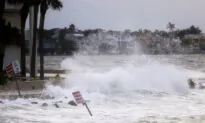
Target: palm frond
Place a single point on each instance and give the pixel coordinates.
(43, 6)
(55, 4)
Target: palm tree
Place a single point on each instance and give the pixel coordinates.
(71, 29)
(11, 35)
(44, 6)
(2, 5)
(34, 36)
(171, 28)
(24, 14)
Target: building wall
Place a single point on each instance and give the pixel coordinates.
(12, 53)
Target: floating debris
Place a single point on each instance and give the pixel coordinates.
(44, 105)
(34, 102)
(56, 105)
(72, 103)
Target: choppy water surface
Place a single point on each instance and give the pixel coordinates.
(120, 89)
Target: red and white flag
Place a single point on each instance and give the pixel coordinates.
(10, 70)
(13, 68)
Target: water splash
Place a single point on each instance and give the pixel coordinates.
(110, 43)
(114, 75)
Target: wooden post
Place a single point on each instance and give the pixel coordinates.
(17, 86)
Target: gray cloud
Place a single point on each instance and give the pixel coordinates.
(128, 14)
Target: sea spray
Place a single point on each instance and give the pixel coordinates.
(114, 75)
(119, 89)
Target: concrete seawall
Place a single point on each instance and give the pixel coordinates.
(24, 86)
(29, 89)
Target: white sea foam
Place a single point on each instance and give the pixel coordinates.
(120, 89)
(113, 76)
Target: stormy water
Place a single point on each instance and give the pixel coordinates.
(118, 89)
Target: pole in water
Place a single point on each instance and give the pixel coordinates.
(79, 100)
(17, 86)
(87, 108)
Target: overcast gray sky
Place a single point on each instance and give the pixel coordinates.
(128, 14)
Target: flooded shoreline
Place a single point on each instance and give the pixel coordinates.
(131, 89)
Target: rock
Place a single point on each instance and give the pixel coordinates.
(57, 76)
(44, 105)
(33, 87)
(72, 103)
(34, 102)
(1, 102)
(11, 98)
(56, 105)
(26, 96)
(191, 84)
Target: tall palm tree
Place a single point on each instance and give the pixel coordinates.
(34, 37)
(24, 14)
(2, 5)
(44, 6)
(14, 34)
(170, 26)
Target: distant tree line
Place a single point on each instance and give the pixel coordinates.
(69, 45)
(61, 38)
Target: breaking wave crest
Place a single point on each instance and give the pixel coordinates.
(117, 75)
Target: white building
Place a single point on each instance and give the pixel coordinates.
(12, 15)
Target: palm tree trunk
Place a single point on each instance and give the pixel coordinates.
(2, 78)
(2, 49)
(24, 15)
(1, 61)
(2, 5)
(41, 47)
(33, 52)
(23, 51)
